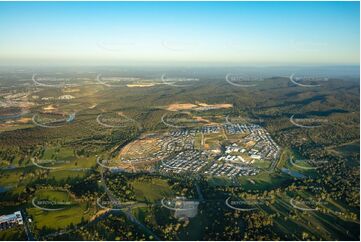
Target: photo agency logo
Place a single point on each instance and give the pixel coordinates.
(181, 207)
(111, 203)
(49, 164)
(180, 46)
(111, 164)
(308, 164)
(307, 121)
(180, 119)
(177, 80)
(116, 120)
(308, 79)
(125, 161)
(244, 80)
(248, 204)
(233, 119)
(50, 158)
(49, 205)
(170, 165)
(116, 81)
(116, 45)
(51, 81)
(306, 204)
(47, 201)
(52, 119)
(308, 46)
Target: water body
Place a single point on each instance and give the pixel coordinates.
(15, 116)
(293, 173)
(4, 189)
(11, 167)
(70, 118)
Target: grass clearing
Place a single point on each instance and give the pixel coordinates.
(72, 212)
(152, 191)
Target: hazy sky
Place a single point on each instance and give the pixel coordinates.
(205, 32)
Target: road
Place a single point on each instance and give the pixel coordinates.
(126, 212)
(200, 195)
(274, 164)
(28, 233)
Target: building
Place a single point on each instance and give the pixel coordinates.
(185, 209)
(10, 220)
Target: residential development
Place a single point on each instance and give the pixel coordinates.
(229, 159)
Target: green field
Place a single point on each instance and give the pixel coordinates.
(15, 233)
(263, 181)
(151, 191)
(72, 211)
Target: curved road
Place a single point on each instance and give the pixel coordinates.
(127, 213)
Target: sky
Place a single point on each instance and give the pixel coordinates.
(244, 33)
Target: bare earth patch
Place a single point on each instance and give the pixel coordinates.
(197, 106)
(140, 85)
(24, 120)
(51, 107)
